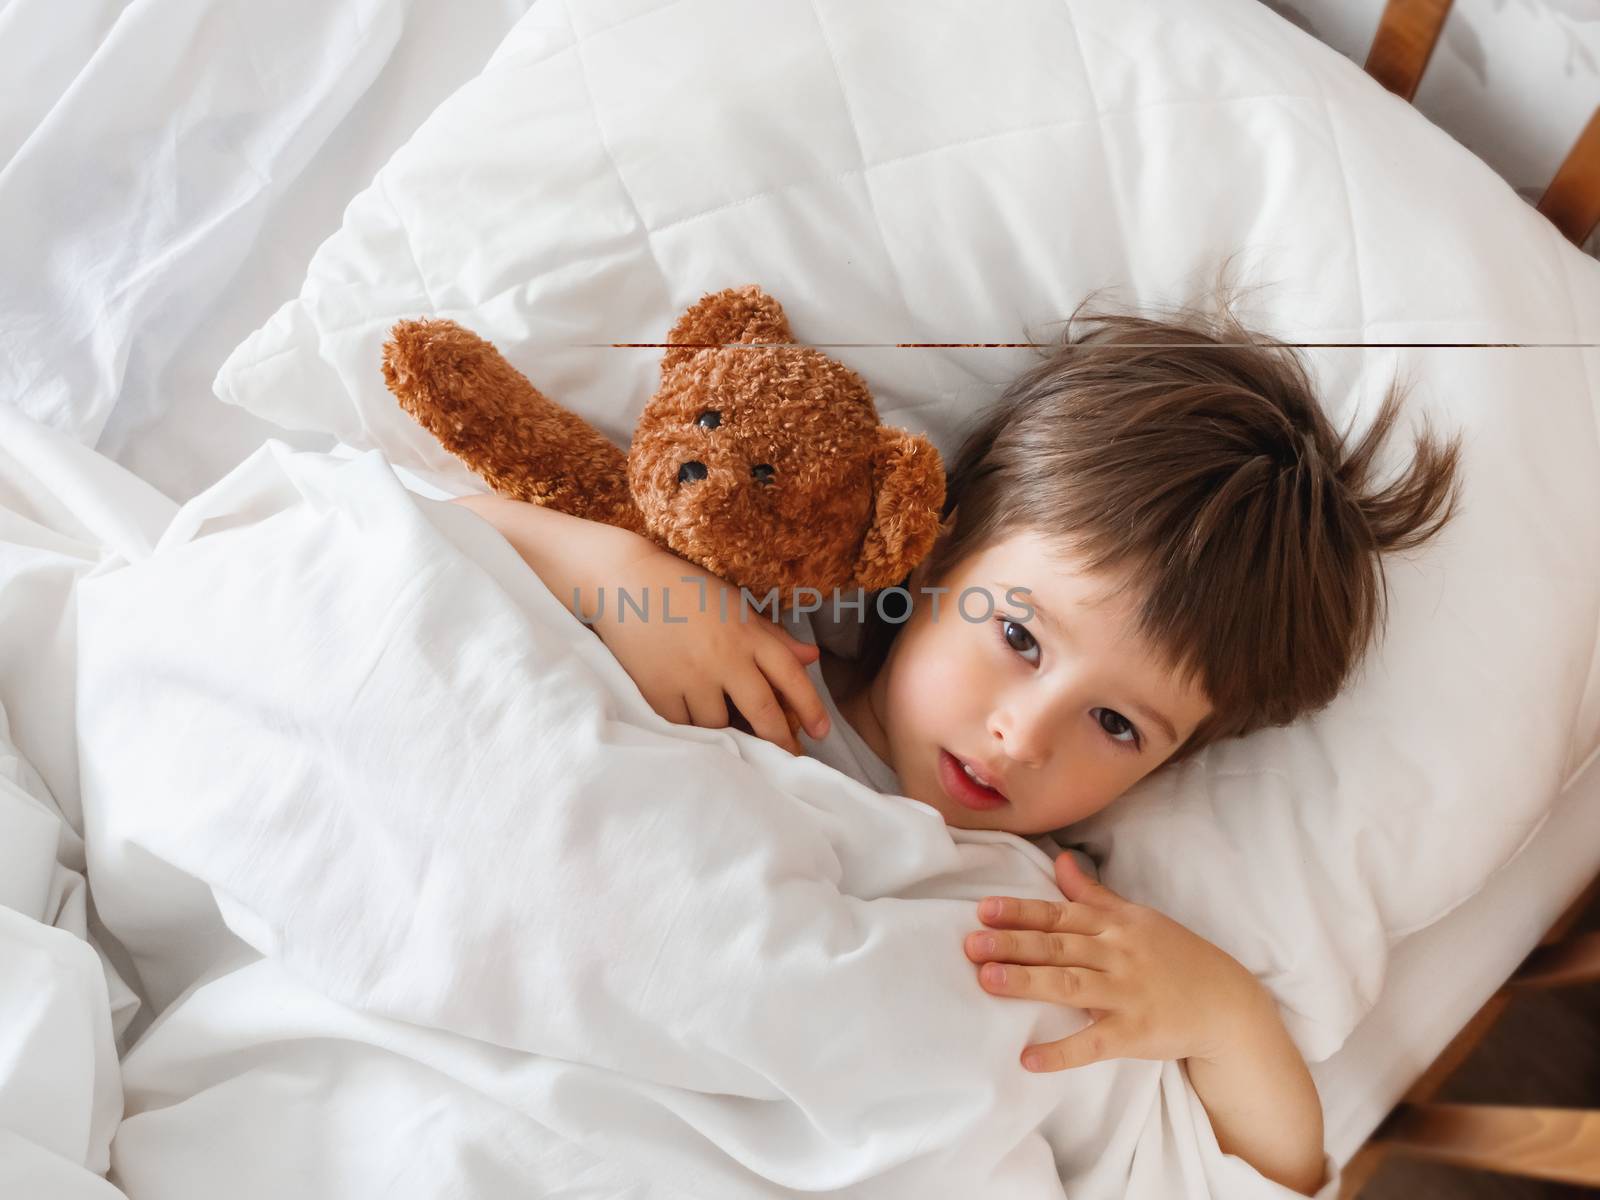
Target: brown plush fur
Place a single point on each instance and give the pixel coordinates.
(486, 413)
(847, 502)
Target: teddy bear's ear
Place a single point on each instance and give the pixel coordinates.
(744, 314)
(907, 496)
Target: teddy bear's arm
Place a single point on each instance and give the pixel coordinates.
(486, 413)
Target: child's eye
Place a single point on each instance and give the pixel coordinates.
(1116, 726)
(1015, 635)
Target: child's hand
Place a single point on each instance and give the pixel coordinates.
(1151, 987)
(715, 648)
(683, 668)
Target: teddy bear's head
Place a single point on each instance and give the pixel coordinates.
(755, 453)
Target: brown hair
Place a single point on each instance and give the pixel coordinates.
(1192, 456)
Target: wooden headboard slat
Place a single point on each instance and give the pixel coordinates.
(1572, 201)
(1407, 33)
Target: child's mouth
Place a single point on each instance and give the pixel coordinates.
(963, 788)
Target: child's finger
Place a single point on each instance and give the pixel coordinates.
(1094, 1043)
(707, 708)
(671, 708)
(1009, 912)
(757, 701)
(1076, 986)
(806, 652)
(1078, 887)
(790, 678)
(1034, 948)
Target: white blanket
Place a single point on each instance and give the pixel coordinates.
(488, 926)
(64, 513)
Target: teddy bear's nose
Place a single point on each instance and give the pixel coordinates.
(691, 472)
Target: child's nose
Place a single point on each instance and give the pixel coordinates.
(1024, 734)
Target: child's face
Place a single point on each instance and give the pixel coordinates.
(1060, 712)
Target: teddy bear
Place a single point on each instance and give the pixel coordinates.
(759, 459)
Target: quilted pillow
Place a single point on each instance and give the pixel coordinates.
(968, 176)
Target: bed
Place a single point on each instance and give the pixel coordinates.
(117, 321)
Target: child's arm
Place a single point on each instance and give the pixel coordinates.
(1261, 1100)
(696, 647)
(1156, 990)
(572, 556)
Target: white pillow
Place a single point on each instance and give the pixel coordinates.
(616, 160)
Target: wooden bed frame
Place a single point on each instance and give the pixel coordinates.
(1407, 33)
(1557, 1144)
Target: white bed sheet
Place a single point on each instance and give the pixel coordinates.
(155, 413)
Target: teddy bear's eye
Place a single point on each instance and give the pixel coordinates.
(762, 472)
(709, 419)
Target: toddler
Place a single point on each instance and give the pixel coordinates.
(1154, 539)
